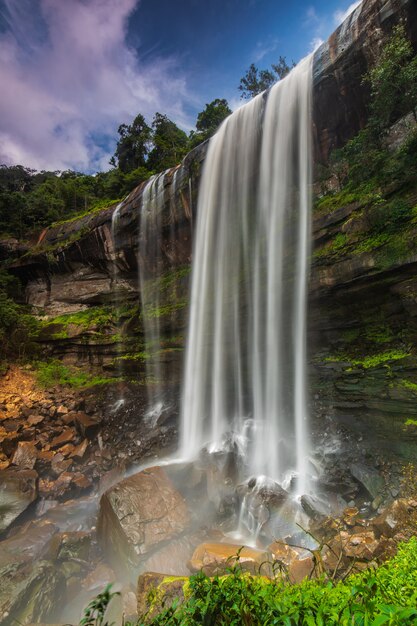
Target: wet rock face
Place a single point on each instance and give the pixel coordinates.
(139, 515)
(17, 491)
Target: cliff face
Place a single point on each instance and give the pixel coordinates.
(340, 97)
(362, 301)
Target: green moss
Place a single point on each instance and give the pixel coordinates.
(332, 201)
(379, 334)
(371, 361)
(166, 309)
(100, 205)
(371, 243)
(408, 384)
(94, 319)
(51, 373)
(335, 247)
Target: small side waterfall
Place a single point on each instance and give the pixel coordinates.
(245, 371)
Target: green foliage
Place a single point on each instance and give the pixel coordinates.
(94, 614)
(52, 373)
(209, 120)
(133, 145)
(255, 81)
(386, 595)
(18, 328)
(170, 144)
(393, 81)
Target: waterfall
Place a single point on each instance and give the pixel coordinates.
(245, 368)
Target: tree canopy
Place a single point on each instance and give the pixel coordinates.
(255, 80)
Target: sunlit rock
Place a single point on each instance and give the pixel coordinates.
(217, 558)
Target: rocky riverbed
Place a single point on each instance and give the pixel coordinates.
(77, 512)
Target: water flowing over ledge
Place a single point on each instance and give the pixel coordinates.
(245, 380)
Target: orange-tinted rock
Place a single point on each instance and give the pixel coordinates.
(79, 451)
(297, 563)
(81, 481)
(34, 420)
(216, 558)
(65, 437)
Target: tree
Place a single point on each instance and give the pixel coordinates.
(255, 81)
(209, 120)
(170, 144)
(133, 145)
(393, 81)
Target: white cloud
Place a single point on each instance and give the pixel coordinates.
(80, 81)
(340, 15)
(263, 48)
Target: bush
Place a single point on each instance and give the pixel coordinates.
(386, 595)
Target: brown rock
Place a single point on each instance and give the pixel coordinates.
(395, 518)
(70, 545)
(61, 410)
(46, 455)
(81, 481)
(86, 425)
(59, 464)
(66, 450)
(18, 489)
(34, 420)
(216, 558)
(65, 437)
(25, 455)
(79, 451)
(139, 514)
(101, 576)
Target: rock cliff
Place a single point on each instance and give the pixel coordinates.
(357, 296)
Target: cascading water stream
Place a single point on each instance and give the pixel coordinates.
(246, 351)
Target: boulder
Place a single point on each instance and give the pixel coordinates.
(368, 478)
(217, 558)
(25, 455)
(158, 591)
(294, 562)
(399, 517)
(18, 489)
(140, 514)
(30, 592)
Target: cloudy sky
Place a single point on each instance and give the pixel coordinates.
(71, 71)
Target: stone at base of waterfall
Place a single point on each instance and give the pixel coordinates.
(138, 516)
(30, 592)
(18, 489)
(398, 518)
(294, 562)
(217, 558)
(158, 591)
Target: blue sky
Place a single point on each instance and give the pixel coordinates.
(72, 70)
